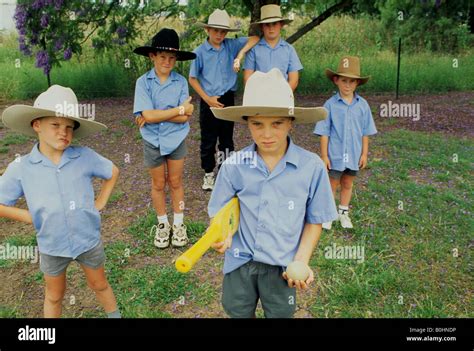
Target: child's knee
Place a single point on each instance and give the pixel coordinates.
(346, 183)
(175, 182)
(158, 185)
(98, 285)
(54, 296)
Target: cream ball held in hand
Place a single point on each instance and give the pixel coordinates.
(297, 270)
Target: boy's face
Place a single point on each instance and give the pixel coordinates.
(270, 133)
(55, 132)
(163, 61)
(216, 36)
(346, 85)
(271, 31)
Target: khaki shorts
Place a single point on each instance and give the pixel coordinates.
(243, 288)
(56, 265)
(153, 157)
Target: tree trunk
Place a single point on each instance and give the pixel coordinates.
(321, 18)
(254, 8)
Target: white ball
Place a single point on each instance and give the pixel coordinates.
(297, 270)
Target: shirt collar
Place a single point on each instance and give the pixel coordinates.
(151, 74)
(36, 156)
(281, 42)
(291, 155)
(209, 47)
(339, 98)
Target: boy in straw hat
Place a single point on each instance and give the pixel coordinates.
(162, 108)
(212, 76)
(272, 51)
(345, 133)
(56, 180)
(284, 196)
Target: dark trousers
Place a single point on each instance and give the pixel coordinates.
(213, 129)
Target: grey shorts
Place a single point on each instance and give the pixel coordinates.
(56, 265)
(338, 174)
(243, 287)
(153, 157)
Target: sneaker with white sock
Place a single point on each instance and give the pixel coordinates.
(179, 237)
(327, 225)
(208, 183)
(162, 233)
(345, 220)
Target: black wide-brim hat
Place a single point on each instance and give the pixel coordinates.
(165, 40)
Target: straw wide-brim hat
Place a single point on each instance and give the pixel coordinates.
(57, 101)
(349, 66)
(269, 95)
(271, 14)
(165, 40)
(219, 19)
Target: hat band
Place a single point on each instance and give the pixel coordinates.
(218, 25)
(277, 17)
(165, 48)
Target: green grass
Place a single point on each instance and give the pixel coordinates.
(12, 139)
(105, 75)
(409, 252)
(17, 240)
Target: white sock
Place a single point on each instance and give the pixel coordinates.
(343, 209)
(163, 219)
(178, 219)
(210, 174)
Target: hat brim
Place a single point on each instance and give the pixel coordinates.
(205, 25)
(331, 74)
(301, 114)
(19, 118)
(180, 55)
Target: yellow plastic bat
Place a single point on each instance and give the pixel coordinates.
(224, 223)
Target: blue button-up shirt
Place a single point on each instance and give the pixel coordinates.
(262, 57)
(273, 206)
(345, 126)
(214, 67)
(60, 198)
(150, 94)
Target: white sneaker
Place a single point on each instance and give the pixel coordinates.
(327, 225)
(179, 238)
(162, 235)
(208, 183)
(345, 220)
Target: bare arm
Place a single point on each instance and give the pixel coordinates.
(106, 190)
(210, 100)
(251, 42)
(293, 79)
(324, 151)
(16, 214)
(365, 152)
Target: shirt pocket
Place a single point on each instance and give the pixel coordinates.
(290, 219)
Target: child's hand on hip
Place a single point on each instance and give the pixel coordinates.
(299, 284)
(140, 121)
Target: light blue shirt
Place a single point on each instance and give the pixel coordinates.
(273, 206)
(60, 198)
(150, 94)
(262, 57)
(214, 67)
(345, 126)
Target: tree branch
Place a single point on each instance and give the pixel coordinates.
(321, 18)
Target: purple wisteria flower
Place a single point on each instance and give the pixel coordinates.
(21, 16)
(38, 4)
(58, 4)
(44, 20)
(58, 44)
(67, 54)
(42, 61)
(25, 49)
(121, 32)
